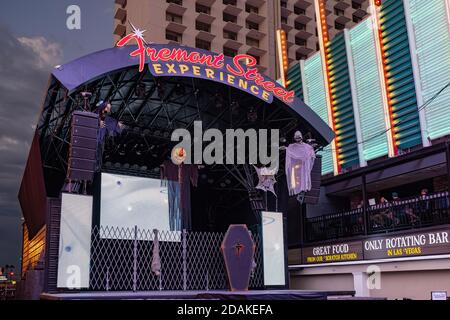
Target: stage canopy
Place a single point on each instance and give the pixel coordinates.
(152, 104)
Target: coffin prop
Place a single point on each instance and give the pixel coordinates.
(238, 249)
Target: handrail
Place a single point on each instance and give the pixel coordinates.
(413, 212)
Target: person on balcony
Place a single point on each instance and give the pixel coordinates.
(423, 206)
(379, 218)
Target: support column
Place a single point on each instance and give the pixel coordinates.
(364, 194)
(360, 284)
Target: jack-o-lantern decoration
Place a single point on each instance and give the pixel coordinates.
(178, 155)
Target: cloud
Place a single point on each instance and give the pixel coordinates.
(47, 53)
(25, 67)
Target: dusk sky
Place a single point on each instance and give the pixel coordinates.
(34, 39)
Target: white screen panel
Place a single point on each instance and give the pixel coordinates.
(74, 241)
(273, 249)
(128, 201)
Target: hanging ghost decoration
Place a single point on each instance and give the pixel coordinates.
(300, 158)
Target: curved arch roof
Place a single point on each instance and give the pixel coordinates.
(80, 71)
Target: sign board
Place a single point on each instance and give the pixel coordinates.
(240, 72)
(408, 244)
(438, 295)
(3, 278)
(338, 252)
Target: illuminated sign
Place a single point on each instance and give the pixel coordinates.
(405, 245)
(173, 60)
(339, 252)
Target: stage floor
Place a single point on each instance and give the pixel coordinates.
(200, 295)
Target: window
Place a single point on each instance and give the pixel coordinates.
(284, 20)
(258, 60)
(179, 2)
(339, 12)
(251, 9)
(173, 36)
(201, 26)
(229, 52)
(283, 3)
(232, 2)
(298, 10)
(339, 26)
(300, 42)
(356, 19)
(229, 18)
(202, 44)
(202, 9)
(252, 42)
(230, 35)
(299, 26)
(300, 56)
(317, 46)
(174, 18)
(317, 34)
(251, 25)
(356, 5)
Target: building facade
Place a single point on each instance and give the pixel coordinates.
(236, 26)
(383, 88)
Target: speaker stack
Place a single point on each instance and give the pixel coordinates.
(312, 196)
(83, 146)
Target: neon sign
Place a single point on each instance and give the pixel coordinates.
(173, 60)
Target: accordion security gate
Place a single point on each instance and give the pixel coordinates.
(121, 260)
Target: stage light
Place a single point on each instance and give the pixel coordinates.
(252, 114)
(228, 181)
(234, 107)
(140, 90)
(126, 166)
(144, 168)
(117, 165)
(223, 185)
(179, 89)
(135, 167)
(161, 90)
(218, 100)
(210, 181)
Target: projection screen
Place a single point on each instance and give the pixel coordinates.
(129, 201)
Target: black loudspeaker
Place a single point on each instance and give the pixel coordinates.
(312, 196)
(83, 146)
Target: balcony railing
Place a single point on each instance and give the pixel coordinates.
(406, 214)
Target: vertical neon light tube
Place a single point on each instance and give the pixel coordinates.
(392, 145)
(322, 28)
(282, 55)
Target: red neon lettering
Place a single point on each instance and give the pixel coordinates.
(140, 51)
(217, 61)
(240, 70)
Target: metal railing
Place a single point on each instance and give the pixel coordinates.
(409, 213)
(121, 260)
